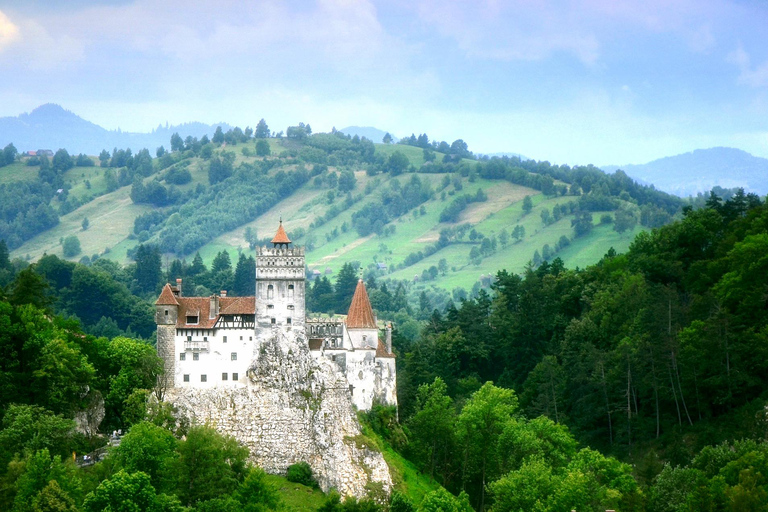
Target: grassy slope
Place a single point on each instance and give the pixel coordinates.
(295, 496)
(111, 217)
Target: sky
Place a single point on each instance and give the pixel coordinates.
(576, 82)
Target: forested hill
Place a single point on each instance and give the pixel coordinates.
(423, 212)
(52, 127)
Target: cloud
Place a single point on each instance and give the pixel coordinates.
(752, 76)
(535, 30)
(8, 31)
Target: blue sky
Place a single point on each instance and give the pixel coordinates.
(594, 81)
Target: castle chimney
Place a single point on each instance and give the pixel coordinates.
(223, 293)
(214, 307)
(389, 338)
(178, 288)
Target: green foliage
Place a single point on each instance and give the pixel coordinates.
(208, 466)
(301, 473)
(443, 501)
(30, 428)
(129, 492)
(256, 494)
(71, 246)
(149, 449)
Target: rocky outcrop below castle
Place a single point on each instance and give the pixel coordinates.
(294, 408)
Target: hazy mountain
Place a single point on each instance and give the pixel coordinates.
(702, 169)
(369, 132)
(52, 127)
(510, 155)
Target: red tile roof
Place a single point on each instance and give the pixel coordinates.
(167, 298)
(201, 307)
(360, 314)
(281, 237)
(381, 351)
(237, 305)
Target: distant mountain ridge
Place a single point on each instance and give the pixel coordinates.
(700, 170)
(52, 127)
(369, 132)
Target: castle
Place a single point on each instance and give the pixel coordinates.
(209, 342)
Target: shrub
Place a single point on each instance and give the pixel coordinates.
(301, 473)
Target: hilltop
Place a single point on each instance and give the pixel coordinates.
(50, 126)
(699, 171)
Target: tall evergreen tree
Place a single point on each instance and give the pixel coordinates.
(346, 282)
(245, 276)
(148, 272)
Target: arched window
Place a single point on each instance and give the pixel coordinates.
(290, 291)
(270, 292)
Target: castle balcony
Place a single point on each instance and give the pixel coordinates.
(197, 346)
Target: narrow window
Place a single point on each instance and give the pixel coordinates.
(250, 338)
(223, 376)
(241, 338)
(274, 321)
(196, 356)
(233, 356)
(203, 378)
(205, 338)
(186, 377)
(290, 291)
(288, 321)
(225, 339)
(270, 291)
(182, 357)
(234, 376)
(166, 312)
(189, 338)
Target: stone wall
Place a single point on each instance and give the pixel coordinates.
(295, 408)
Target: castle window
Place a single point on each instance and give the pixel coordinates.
(234, 376)
(203, 378)
(205, 338)
(241, 338)
(166, 312)
(290, 291)
(274, 321)
(288, 320)
(250, 338)
(225, 339)
(270, 292)
(270, 306)
(195, 356)
(233, 356)
(189, 338)
(290, 306)
(182, 356)
(192, 319)
(224, 376)
(186, 377)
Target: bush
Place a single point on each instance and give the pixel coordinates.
(301, 473)
(71, 246)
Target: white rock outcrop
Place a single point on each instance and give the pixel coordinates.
(295, 408)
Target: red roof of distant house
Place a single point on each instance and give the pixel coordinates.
(360, 312)
(166, 297)
(281, 237)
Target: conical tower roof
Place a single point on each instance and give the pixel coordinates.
(360, 312)
(166, 297)
(281, 237)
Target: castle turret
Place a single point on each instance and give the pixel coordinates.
(361, 322)
(280, 285)
(166, 314)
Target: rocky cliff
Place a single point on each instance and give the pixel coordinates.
(294, 408)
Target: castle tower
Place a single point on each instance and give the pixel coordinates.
(166, 314)
(279, 285)
(361, 322)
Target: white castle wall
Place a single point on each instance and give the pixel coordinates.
(293, 408)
